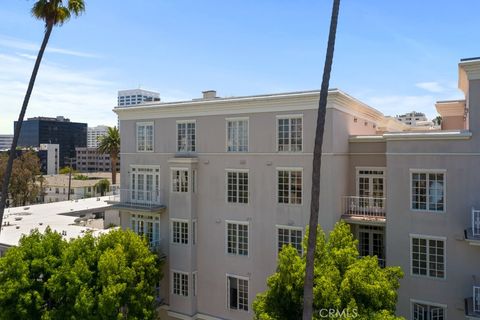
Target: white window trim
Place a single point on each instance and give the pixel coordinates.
(226, 238)
(194, 231)
(149, 123)
(428, 237)
(172, 169)
(288, 116)
(427, 171)
(226, 187)
(384, 176)
(279, 226)
(172, 271)
(172, 220)
(276, 186)
(176, 135)
(248, 133)
(227, 300)
(433, 304)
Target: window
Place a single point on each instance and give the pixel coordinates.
(428, 256)
(290, 186)
(148, 226)
(428, 192)
(290, 236)
(180, 180)
(194, 231)
(237, 186)
(145, 137)
(186, 136)
(144, 185)
(194, 282)
(237, 135)
(180, 231)
(180, 283)
(237, 293)
(290, 133)
(237, 238)
(424, 311)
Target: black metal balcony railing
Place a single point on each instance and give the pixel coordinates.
(364, 206)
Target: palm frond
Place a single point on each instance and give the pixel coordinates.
(55, 12)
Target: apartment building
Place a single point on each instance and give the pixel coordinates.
(136, 96)
(6, 141)
(93, 134)
(89, 160)
(220, 184)
(413, 118)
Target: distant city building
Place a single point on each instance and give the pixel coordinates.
(57, 186)
(6, 141)
(414, 118)
(49, 155)
(93, 134)
(89, 160)
(59, 130)
(136, 96)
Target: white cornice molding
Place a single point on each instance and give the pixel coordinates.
(468, 70)
(377, 138)
(439, 135)
(183, 160)
(450, 108)
(286, 102)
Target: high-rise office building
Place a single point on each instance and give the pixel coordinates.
(93, 134)
(136, 96)
(59, 130)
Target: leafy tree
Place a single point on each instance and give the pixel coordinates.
(26, 180)
(317, 165)
(102, 186)
(53, 13)
(66, 170)
(79, 176)
(113, 276)
(110, 144)
(357, 287)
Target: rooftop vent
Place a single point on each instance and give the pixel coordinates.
(209, 94)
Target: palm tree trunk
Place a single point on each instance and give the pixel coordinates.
(16, 135)
(317, 164)
(114, 168)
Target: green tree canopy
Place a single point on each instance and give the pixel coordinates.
(113, 276)
(357, 287)
(102, 186)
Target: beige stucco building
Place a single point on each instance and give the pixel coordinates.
(219, 184)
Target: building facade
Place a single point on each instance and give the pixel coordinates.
(93, 134)
(68, 135)
(136, 96)
(413, 118)
(89, 160)
(220, 184)
(6, 141)
(49, 155)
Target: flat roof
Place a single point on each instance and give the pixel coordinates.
(61, 180)
(60, 216)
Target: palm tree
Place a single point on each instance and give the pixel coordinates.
(317, 164)
(53, 13)
(110, 144)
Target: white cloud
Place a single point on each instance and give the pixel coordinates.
(82, 96)
(432, 86)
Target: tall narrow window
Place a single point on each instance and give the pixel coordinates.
(237, 294)
(290, 134)
(180, 231)
(422, 311)
(289, 186)
(186, 139)
(145, 136)
(290, 236)
(237, 186)
(428, 257)
(237, 135)
(237, 238)
(180, 180)
(428, 191)
(180, 283)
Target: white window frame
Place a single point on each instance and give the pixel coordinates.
(427, 172)
(188, 144)
(172, 284)
(145, 124)
(383, 176)
(427, 238)
(247, 171)
(237, 119)
(145, 170)
(227, 222)
(278, 227)
(288, 116)
(134, 224)
(172, 173)
(227, 287)
(278, 169)
(172, 237)
(427, 303)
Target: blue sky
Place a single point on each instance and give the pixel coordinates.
(397, 56)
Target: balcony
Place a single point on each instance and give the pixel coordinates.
(357, 209)
(472, 305)
(472, 234)
(138, 200)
